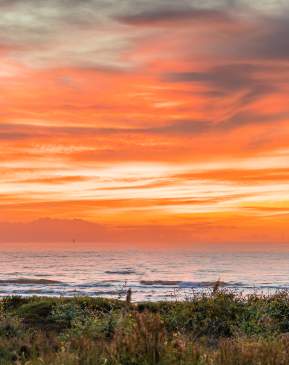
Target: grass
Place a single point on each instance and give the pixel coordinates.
(218, 328)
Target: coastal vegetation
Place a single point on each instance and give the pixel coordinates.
(218, 327)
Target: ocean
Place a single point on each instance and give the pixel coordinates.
(152, 275)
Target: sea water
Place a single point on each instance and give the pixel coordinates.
(152, 275)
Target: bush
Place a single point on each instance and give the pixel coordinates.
(36, 313)
(220, 328)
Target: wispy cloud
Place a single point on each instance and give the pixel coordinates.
(144, 114)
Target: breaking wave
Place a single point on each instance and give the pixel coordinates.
(160, 282)
(190, 284)
(121, 272)
(27, 281)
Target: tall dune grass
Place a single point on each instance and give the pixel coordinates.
(220, 328)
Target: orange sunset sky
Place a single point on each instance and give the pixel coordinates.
(144, 121)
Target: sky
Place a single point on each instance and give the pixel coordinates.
(144, 121)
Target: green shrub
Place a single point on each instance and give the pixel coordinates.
(220, 328)
(36, 313)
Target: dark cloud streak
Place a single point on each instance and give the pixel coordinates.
(254, 81)
(173, 14)
(241, 119)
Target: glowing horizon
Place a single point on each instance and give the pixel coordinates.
(167, 119)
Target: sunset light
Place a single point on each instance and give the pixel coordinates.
(146, 116)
